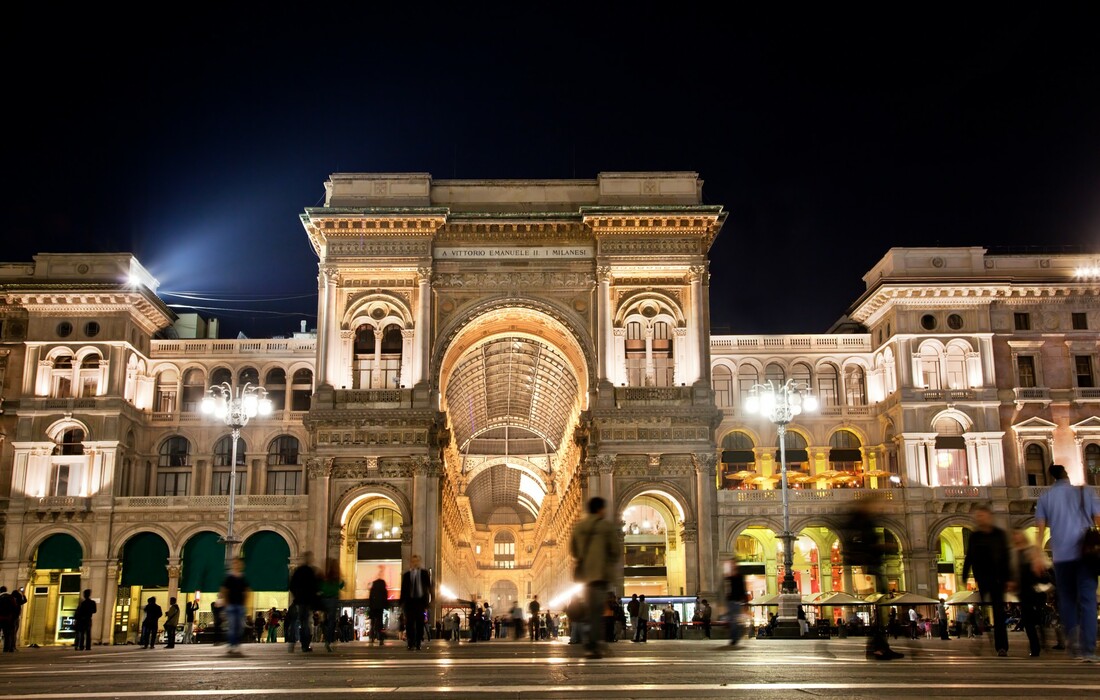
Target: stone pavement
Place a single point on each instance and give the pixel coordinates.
(501, 670)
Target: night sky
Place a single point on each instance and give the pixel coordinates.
(196, 141)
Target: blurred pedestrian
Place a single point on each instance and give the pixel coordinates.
(234, 591)
(150, 624)
(1026, 582)
(864, 547)
(171, 622)
(303, 599)
(736, 599)
(987, 556)
(1068, 512)
(189, 610)
(377, 601)
(596, 550)
(330, 599)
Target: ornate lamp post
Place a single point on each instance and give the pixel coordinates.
(780, 403)
(235, 408)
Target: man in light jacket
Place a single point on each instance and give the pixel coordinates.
(595, 547)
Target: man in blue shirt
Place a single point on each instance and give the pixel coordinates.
(1068, 511)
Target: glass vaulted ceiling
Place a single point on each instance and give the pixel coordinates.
(511, 396)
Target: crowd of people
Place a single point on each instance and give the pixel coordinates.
(1056, 594)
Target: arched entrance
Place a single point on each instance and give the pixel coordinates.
(267, 569)
(144, 575)
(375, 535)
(503, 594)
(653, 557)
(54, 591)
(950, 546)
(513, 381)
(202, 572)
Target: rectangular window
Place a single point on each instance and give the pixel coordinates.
(1080, 321)
(173, 483)
(1025, 367)
(220, 487)
(827, 390)
(1023, 321)
(1083, 365)
(283, 483)
(166, 401)
(59, 480)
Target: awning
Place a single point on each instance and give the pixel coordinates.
(203, 563)
(266, 562)
(950, 442)
(59, 552)
(738, 456)
(794, 456)
(145, 561)
(845, 455)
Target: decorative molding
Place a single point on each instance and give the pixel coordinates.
(514, 280)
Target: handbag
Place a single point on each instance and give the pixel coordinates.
(1090, 542)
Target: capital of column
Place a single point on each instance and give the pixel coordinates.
(423, 275)
(618, 332)
(319, 468)
(408, 333)
(347, 335)
(603, 273)
(689, 533)
(330, 273)
(698, 273)
(605, 464)
(706, 463)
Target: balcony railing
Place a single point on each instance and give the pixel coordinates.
(1031, 394)
(855, 342)
(805, 495)
(244, 347)
(210, 502)
(1090, 394)
(372, 397)
(194, 417)
(650, 395)
(961, 493)
(62, 504)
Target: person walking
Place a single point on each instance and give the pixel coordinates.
(643, 620)
(82, 621)
(987, 556)
(189, 610)
(1068, 512)
(863, 546)
(416, 595)
(377, 601)
(594, 546)
(272, 625)
(330, 600)
(303, 598)
(150, 624)
(736, 599)
(234, 591)
(1025, 582)
(171, 622)
(534, 625)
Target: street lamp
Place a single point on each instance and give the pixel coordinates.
(780, 403)
(235, 408)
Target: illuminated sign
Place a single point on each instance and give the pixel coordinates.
(574, 252)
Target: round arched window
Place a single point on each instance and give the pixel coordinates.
(91, 329)
(954, 322)
(928, 322)
(64, 329)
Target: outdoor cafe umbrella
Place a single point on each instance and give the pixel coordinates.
(838, 598)
(769, 599)
(902, 599)
(975, 598)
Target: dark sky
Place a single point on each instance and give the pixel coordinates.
(195, 141)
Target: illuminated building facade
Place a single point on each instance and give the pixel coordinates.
(489, 354)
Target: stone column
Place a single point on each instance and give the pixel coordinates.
(904, 363)
(422, 355)
(689, 543)
(989, 377)
(108, 602)
(706, 499)
(408, 343)
(650, 370)
(698, 324)
(344, 371)
(319, 473)
(175, 565)
(606, 346)
(427, 506)
(33, 371)
(617, 362)
(326, 325)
